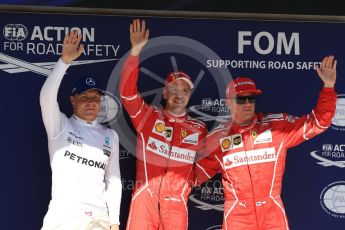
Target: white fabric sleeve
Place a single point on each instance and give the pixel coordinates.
(54, 121)
(113, 183)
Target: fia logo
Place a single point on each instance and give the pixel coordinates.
(15, 32)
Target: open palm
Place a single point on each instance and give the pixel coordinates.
(71, 49)
(327, 71)
(139, 36)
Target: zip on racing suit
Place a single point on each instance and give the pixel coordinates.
(167, 146)
(251, 160)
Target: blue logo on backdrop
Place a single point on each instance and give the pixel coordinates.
(111, 109)
(124, 154)
(212, 110)
(338, 122)
(15, 32)
(330, 155)
(211, 197)
(44, 40)
(332, 199)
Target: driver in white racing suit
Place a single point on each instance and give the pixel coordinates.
(84, 155)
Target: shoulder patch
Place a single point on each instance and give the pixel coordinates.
(192, 119)
(277, 116)
(291, 118)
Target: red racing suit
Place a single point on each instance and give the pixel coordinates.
(251, 160)
(167, 147)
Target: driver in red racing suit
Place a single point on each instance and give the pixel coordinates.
(250, 152)
(168, 141)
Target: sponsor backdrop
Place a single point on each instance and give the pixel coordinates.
(279, 55)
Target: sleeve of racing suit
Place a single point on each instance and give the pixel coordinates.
(54, 121)
(113, 183)
(208, 166)
(310, 125)
(200, 153)
(130, 97)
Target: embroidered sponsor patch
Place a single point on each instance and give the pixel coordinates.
(264, 137)
(176, 153)
(183, 132)
(226, 143)
(191, 139)
(231, 142)
(249, 157)
(106, 152)
(159, 128)
(253, 133)
(169, 133)
(273, 116)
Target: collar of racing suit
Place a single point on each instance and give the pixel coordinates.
(83, 122)
(174, 118)
(239, 128)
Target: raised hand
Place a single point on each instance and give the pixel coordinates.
(327, 71)
(71, 48)
(139, 36)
